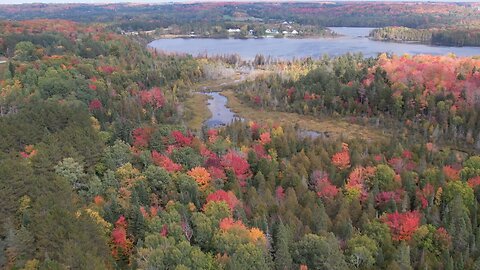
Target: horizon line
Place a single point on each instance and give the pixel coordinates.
(145, 2)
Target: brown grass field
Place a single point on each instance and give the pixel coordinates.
(196, 111)
(334, 127)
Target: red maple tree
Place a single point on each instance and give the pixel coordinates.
(325, 188)
(238, 165)
(341, 160)
(153, 97)
(121, 244)
(141, 137)
(223, 196)
(402, 225)
(95, 105)
(165, 162)
(181, 139)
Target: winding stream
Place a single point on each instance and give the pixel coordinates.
(222, 115)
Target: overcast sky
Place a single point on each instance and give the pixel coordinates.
(179, 1)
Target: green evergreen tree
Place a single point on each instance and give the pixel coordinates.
(283, 257)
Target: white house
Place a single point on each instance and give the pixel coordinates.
(236, 30)
(133, 33)
(150, 32)
(294, 32)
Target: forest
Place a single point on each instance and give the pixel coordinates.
(309, 18)
(99, 170)
(438, 96)
(445, 37)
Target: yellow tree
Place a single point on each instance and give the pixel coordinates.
(202, 176)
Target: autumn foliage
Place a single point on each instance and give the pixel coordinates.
(385, 197)
(357, 177)
(95, 105)
(237, 227)
(325, 189)
(451, 173)
(217, 173)
(141, 137)
(238, 165)
(341, 160)
(201, 176)
(436, 74)
(29, 152)
(223, 196)
(165, 162)
(136, 171)
(402, 225)
(265, 138)
(153, 97)
(212, 135)
(180, 139)
(121, 244)
(474, 182)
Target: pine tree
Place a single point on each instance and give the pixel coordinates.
(259, 182)
(283, 258)
(137, 225)
(343, 224)
(321, 221)
(402, 256)
(458, 225)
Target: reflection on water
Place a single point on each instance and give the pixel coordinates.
(354, 40)
(221, 114)
(353, 32)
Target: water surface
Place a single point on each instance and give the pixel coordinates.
(221, 114)
(354, 40)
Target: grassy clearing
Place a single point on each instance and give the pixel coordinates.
(196, 111)
(334, 127)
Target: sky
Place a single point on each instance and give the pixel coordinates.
(179, 1)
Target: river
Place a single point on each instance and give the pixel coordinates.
(354, 40)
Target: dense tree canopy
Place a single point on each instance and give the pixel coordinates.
(99, 171)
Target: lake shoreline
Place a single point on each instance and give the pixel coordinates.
(417, 42)
(166, 37)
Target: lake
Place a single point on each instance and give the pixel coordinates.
(354, 40)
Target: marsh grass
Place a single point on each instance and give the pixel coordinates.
(196, 111)
(333, 126)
